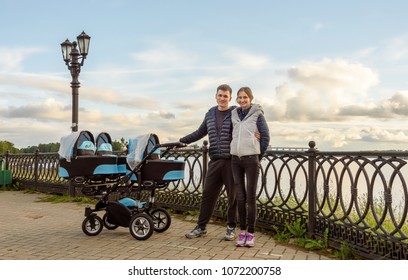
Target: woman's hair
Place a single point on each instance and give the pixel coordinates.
(248, 91)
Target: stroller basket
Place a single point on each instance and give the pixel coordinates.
(144, 156)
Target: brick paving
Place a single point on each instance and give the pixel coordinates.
(33, 230)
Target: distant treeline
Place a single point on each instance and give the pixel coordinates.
(46, 148)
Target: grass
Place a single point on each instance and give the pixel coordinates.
(378, 207)
(296, 233)
(53, 198)
(66, 198)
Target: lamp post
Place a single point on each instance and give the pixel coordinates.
(71, 56)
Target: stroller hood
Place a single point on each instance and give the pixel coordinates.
(67, 145)
(138, 148)
(76, 143)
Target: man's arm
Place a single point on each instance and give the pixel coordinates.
(196, 135)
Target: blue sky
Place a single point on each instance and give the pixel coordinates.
(330, 71)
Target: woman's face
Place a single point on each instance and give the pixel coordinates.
(243, 100)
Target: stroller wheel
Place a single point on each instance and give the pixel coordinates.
(141, 226)
(161, 219)
(107, 224)
(92, 225)
(88, 190)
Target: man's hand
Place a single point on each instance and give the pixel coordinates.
(258, 136)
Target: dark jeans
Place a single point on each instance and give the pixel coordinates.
(246, 167)
(219, 173)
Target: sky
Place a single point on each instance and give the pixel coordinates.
(335, 72)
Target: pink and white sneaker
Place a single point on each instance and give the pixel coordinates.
(241, 239)
(250, 240)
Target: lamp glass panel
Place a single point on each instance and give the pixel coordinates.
(83, 43)
(66, 48)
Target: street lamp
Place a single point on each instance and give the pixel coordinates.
(71, 56)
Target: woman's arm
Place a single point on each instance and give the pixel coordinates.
(264, 133)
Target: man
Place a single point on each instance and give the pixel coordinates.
(217, 125)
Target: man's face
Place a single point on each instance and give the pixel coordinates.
(223, 98)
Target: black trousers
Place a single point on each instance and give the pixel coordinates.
(246, 172)
(219, 174)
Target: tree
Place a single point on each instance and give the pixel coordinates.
(117, 146)
(29, 150)
(7, 146)
(49, 148)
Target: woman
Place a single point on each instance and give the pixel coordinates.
(246, 150)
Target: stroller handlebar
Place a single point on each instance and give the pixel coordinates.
(172, 145)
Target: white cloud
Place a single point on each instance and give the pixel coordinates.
(41, 82)
(164, 55)
(244, 60)
(369, 135)
(334, 75)
(317, 91)
(394, 107)
(397, 48)
(48, 110)
(366, 52)
(11, 58)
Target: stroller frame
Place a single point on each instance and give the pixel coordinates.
(140, 217)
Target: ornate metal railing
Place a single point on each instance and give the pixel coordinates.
(362, 201)
(353, 199)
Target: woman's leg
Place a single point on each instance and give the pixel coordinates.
(252, 174)
(239, 179)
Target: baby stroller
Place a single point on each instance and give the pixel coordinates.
(142, 169)
(88, 162)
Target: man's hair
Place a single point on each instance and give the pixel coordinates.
(225, 87)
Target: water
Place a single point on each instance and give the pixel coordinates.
(353, 183)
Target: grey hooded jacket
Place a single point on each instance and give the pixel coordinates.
(245, 124)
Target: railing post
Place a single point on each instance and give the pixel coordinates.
(205, 159)
(71, 188)
(312, 152)
(6, 163)
(36, 167)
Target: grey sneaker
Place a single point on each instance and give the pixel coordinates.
(196, 232)
(230, 234)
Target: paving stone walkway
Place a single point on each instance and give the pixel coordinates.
(33, 230)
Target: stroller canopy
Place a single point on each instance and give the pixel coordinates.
(77, 143)
(103, 144)
(139, 147)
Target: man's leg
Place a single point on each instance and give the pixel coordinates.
(211, 191)
(231, 195)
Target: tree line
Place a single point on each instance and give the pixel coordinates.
(46, 148)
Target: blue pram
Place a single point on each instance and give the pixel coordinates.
(88, 161)
(91, 165)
